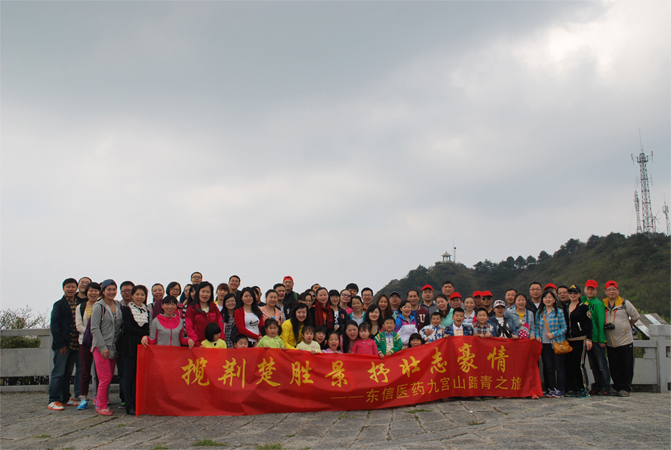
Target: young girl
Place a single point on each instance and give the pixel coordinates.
(272, 339)
(365, 345)
(333, 343)
(202, 311)
(212, 337)
(415, 340)
(375, 319)
(249, 319)
(307, 343)
(550, 328)
(357, 314)
(167, 328)
(469, 311)
(349, 338)
(320, 336)
(406, 324)
(388, 342)
(292, 329)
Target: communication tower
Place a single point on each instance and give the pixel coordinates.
(666, 213)
(638, 213)
(648, 222)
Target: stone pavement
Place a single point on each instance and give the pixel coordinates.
(641, 421)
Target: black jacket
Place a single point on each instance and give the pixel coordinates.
(132, 334)
(62, 324)
(580, 322)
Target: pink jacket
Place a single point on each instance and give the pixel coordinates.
(367, 347)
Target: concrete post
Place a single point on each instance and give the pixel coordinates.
(660, 334)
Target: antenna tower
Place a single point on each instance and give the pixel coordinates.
(665, 210)
(638, 213)
(648, 219)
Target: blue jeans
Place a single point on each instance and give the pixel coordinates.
(599, 365)
(59, 382)
(78, 377)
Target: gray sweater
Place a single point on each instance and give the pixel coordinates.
(105, 327)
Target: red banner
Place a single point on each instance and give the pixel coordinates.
(175, 381)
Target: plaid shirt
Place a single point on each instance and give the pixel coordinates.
(556, 324)
(478, 330)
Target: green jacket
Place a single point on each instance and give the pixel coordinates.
(381, 342)
(598, 312)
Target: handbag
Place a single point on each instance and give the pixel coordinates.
(562, 347)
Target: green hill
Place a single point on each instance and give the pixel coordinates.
(640, 264)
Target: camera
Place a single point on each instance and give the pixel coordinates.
(609, 326)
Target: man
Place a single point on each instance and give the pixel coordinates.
(81, 287)
(413, 299)
(315, 287)
(196, 278)
(597, 356)
(126, 289)
(562, 294)
(65, 344)
(510, 298)
(367, 297)
(345, 299)
(394, 303)
(535, 293)
(290, 297)
(477, 298)
(448, 288)
(353, 288)
(427, 299)
(487, 298)
(234, 284)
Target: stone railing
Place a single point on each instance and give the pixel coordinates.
(653, 370)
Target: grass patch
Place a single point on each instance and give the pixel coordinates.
(269, 447)
(209, 443)
(159, 447)
(291, 435)
(475, 422)
(42, 436)
(413, 411)
(121, 425)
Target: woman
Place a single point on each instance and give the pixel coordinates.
(406, 324)
(186, 297)
(375, 319)
(135, 327)
(258, 294)
(444, 310)
(620, 318)
(173, 289)
(469, 311)
(292, 329)
(248, 317)
(349, 337)
(322, 314)
(522, 317)
(385, 307)
(550, 327)
(157, 292)
(167, 328)
(357, 314)
(345, 299)
(228, 314)
(579, 336)
(270, 309)
(106, 320)
(307, 298)
(82, 318)
(222, 290)
(340, 315)
(201, 312)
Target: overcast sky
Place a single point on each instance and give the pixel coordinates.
(334, 142)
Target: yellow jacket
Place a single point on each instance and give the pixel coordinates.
(288, 334)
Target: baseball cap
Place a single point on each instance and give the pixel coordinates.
(549, 285)
(287, 278)
(591, 283)
(455, 295)
(427, 286)
(611, 283)
(499, 303)
(486, 294)
(477, 294)
(394, 293)
(574, 288)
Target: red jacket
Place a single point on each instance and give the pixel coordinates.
(240, 324)
(197, 320)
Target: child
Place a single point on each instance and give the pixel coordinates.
(503, 326)
(458, 327)
(212, 335)
(320, 336)
(437, 330)
(365, 345)
(388, 341)
(415, 340)
(481, 327)
(241, 341)
(333, 343)
(271, 339)
(406, 324)
(307, 343)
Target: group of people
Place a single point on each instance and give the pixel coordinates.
(96, 333)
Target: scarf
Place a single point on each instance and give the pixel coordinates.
(323, 316)
(618, 302)
(140, 314)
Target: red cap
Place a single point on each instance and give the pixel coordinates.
(611, 283)
(592, 284)
(427, 286)
(477, 294)
(549, 285)
(486, 294)
(287, 278)
(455, 295)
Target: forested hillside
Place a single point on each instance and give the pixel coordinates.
(640, 264)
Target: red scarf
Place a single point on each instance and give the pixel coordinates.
(323, 315)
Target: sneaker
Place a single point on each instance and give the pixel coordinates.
(56, 406)
(83, 404)
(105, 412)
(558, 394)
(623, 394)
(123, 403)
(71, 402)
(612, 391)
(603, 393)
(582, 394)
(550, 393)
(571, 394)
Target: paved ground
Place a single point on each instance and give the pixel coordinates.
(641, 421)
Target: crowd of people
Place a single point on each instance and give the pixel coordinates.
(95, 333)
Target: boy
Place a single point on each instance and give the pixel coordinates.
(437, 330)
(503, 327)
(241, 341)
(481, 327)
(458, 328)
(388, 341)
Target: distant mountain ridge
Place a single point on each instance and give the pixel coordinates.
(640, 264)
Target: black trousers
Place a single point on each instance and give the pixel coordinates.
(574, 365)
(621, 362)
(129, 377)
